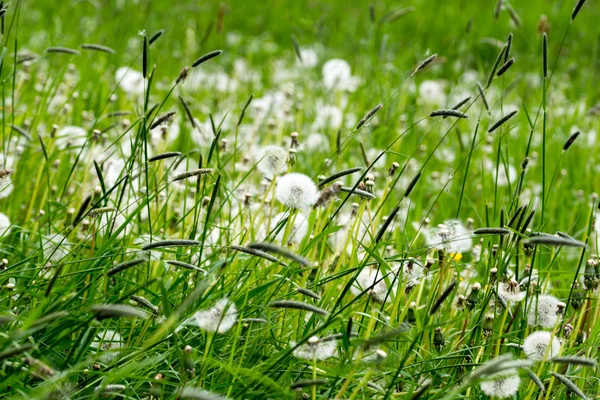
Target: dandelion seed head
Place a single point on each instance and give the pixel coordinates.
(130, 81)
(511, 291)
(219, 318)
(501, 385)
(540, 345)
(309, 58)
(432, 92)
(4, 224)
(315, 349)
(451, 236)
(106, 341)
(296, 191)
(272, 160)
(371, 279)
(337, 74)
(543, 311)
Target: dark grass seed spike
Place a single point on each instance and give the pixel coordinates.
(386, 224)
(163, 118)
(97, 47)
(144, 302)
(155, 37)
(577, 9)
(448, 113)
(424, 64)
(188, 112)
(162, 156)
(271, 248)
(172, 243)
(564, 235)
(193, 173)
(483, 98)
(570, 140)
(16, 351)
(535, 379)
(308, 383)
(244, 110)
(257, 253)
(308, 293)
(185, 265)
(298, 305)
(338, 175)
(206, 57)
(63, 50)
(21, 131)
(145, 57)
(82, 208)
(424, 387)
(495, 67)
(106, 311)
(569, 384)
(505, 67)
(575, 360)
(509, 40)
(551, 240)
(368, 117)
(443, 296)
(297, 48)
(492, 231)
(545, 55)
(358, 192)
(412, 184)
(125, 265)
(502, 121)
(386, 336)
(459, 105)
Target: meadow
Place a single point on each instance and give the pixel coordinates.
(299, 199)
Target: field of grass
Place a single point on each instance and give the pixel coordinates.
(299, 199)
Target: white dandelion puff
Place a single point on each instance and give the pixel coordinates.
(297, 191)
(541, 345)
(55, 247)
(4, 224)
(219, 318)
(130, 80)
(107, 341)
(371, 279)
(316, 349)
(309, 58)
(501, 385)
(272, 160)
(432, 92)
(338, 75)
(543, 311)
(451, 236)
(70, 137)
(511, 291)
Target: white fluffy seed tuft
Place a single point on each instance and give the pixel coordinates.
(296, 191)
(541, 345)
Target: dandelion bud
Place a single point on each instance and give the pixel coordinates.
(369, 186)
(578, 297)
(473, 297)
(182, 75)
(589, 277)
(493, 274)
(393, 169)
(560, 307)
(96, 367)
(247, 198)
(438, 339)
(224, 144)
(567, 330)
(188, 362)
(488, 324)
(291, 156)
(295, 144)
(380, 355)
(411, 317)
(494, 250)
(205, 201)
(461, 302)
(54, 130)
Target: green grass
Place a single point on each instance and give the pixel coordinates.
(82, 209)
